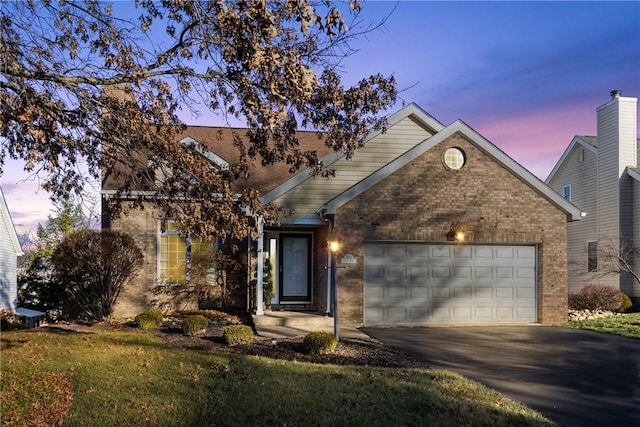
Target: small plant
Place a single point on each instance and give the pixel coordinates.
(626, 306)
(237, 334)
(595, 297)
(194, 324)
(149, 319)
(320, 342)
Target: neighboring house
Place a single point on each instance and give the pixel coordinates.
(397, 207)
(601, 176)
(9, 252)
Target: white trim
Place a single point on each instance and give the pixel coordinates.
(209, 155)
(633, 174)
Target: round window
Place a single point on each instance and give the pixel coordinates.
(454, 158)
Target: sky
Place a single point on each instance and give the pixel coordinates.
(528, 76)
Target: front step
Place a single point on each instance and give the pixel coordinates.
(294, 319)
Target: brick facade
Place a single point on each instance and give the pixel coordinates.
(421, 200)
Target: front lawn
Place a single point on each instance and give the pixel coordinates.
(116, 378)
(627, 325)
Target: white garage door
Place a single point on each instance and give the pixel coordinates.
(417, 283)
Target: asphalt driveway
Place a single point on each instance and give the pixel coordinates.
(574, 377)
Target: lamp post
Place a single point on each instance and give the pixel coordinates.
(334, 247)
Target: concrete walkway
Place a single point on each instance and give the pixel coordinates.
(574, 377)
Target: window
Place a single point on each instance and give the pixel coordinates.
(454, 158)
(184, 259)
(581, 155)
(566, 192)
(592, 256)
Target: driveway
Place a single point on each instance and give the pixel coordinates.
(574, 377)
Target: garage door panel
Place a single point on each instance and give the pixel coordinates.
(442, 283)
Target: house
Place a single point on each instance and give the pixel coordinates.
(437, 226)
(10, 250)
(601, 175)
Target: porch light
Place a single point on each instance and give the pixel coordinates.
(334, 246)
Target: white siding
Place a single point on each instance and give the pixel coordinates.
(9, 252)
(580, 175)
(309, 196)
(635, 286)
(617, 149)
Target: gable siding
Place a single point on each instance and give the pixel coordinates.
(8, 266)
(309, 196)
(583, 181)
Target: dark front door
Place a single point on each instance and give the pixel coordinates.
(295, 268)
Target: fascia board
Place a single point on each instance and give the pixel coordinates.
(479, 141)
(208, 154)
(575, 141)
(13, 236)
(411, 109)
(633, 174)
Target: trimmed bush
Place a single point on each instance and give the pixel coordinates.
(320, 342)
(194, 324)
(149, 319)
(237, 334)
(626, 306)
(595, 297)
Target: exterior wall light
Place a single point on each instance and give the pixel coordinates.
(455, 234)
(334, 246)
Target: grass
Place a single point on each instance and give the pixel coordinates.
(111, 378)
(627, 325)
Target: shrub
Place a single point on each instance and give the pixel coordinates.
(320, 342)
(194, 324)
(237, 334)
(595, 297)
(94, 267)
(149, 319)
(626, 306)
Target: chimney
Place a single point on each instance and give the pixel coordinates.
(615, 93)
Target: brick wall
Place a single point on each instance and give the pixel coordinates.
(420, 201)
(142, 292)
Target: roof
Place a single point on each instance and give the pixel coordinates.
(219, 140)
(6, 219)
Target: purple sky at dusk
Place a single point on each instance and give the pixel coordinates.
(528, 76)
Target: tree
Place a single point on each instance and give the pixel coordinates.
(84, 85)
(93, 267)
(37, 285)
(616, 257)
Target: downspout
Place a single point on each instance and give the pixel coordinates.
(260, 268)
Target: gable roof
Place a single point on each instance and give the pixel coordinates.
(8, 223)
(311, 197)
(588, 142)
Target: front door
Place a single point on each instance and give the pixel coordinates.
(295, 268)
